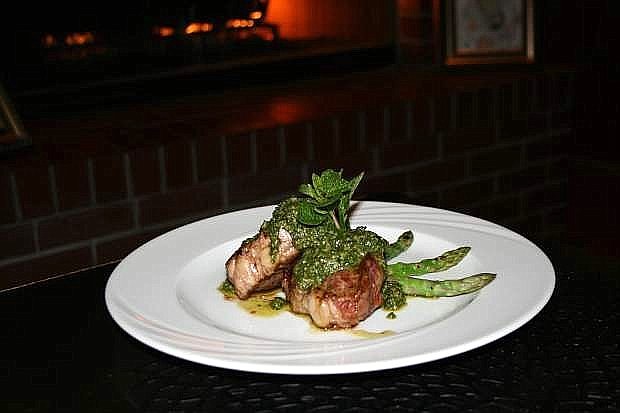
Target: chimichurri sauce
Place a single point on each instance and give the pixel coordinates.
(285, 216)
(325, 249)
(335, 253)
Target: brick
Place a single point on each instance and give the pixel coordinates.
(547, 147)
(465, 113)
(525, 96)
(540, 150)
(324, 139)
(16, 240)
(374, 126)
(538, 123)
(110, 182)
(183, 130)
(407, 154)
(130, 138)
(263, 187)
(469, 193)
(558, 169)
(550, 194)
(178, 160)
(296, 142)
(7, 210)
(532, 125)
(182, 204)
(145, 171)
(268, 149)
(438, 173)
(422, 118)
(44, 267)
(84, 225)
(543, 93)
(460, 140)
(562, 86)
(522, 179)
(514, 129)
(349, 133)
(443, 114)
(506, 103)
(239, 154)
(209, 160)
(72, 186)
(34, 191)
(562, 120)
(118, 248)
(398, 122)
(495, 160)
(486, 107)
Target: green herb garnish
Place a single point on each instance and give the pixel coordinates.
(327, 196)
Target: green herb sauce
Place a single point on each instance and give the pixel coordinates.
(393, 295)
(336, 252)
(285, 216)
(277, 303)
(325, 248)
(227, 289)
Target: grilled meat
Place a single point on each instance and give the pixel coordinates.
(251, 268)
(343, 299)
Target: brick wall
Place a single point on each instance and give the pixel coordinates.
(586, 37)
(497, 150)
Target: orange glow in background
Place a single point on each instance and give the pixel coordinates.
(79, 38)
(163, 31)
(198, 27)
(357, 20)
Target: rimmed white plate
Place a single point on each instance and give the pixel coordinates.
(165, 295)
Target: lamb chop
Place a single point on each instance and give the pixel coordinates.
(343, 299)
(252, 269)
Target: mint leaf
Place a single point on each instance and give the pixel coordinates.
(329, 193)
(354, 183)
(307, 214)
(307, 189)
(331, 184)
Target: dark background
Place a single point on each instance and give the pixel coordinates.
(584, 34)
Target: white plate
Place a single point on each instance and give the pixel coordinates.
(165, 295)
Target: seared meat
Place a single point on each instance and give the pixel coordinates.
(345, 297)
(250, 269)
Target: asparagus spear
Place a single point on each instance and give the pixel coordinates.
(441, 263)
(444, 288)
(399, 246)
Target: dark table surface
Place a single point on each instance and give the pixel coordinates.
(61, 351)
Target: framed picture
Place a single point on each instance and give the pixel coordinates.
(489, 31)
(12, 133)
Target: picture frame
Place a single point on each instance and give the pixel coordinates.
(489, 32)
(12, 132)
